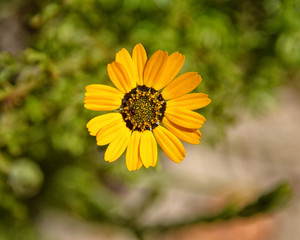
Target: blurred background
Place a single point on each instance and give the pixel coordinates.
(241, 182)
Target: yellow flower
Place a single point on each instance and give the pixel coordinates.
(148, 105)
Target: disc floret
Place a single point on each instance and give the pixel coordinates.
(142, 108)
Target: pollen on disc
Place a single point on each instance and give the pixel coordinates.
(143, 108)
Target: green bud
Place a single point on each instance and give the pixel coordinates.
(25, 178)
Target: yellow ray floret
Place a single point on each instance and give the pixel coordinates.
(148, 149)
(155, 67)
(139, 58)
(133, 160)
(185, 118)
(190, 101)
(185, 134)
(170, 144)
(116, 147)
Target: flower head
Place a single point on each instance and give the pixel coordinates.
(149, 105)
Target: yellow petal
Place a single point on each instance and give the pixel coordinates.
(190, 101)
(139, 57)
(100, 97)
(174, 64)
(185, 134)
(125, 59)
(133, 161)
(119, 76)
(101, 105)
(94, 89)
(96, 123)
(139, 164)
(106, 99)
(155, 67)
(199, 133)
(118, 146)
(185, 118)
(181, 85)
(110, 132)
(170, 144)
(148, 149)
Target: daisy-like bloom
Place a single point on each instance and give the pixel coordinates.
(149, 105)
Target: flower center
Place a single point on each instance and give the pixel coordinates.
(143, 108)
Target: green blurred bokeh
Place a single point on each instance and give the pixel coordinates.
(242, 49)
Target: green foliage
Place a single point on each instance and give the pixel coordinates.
(242, 49)
(269, 201)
